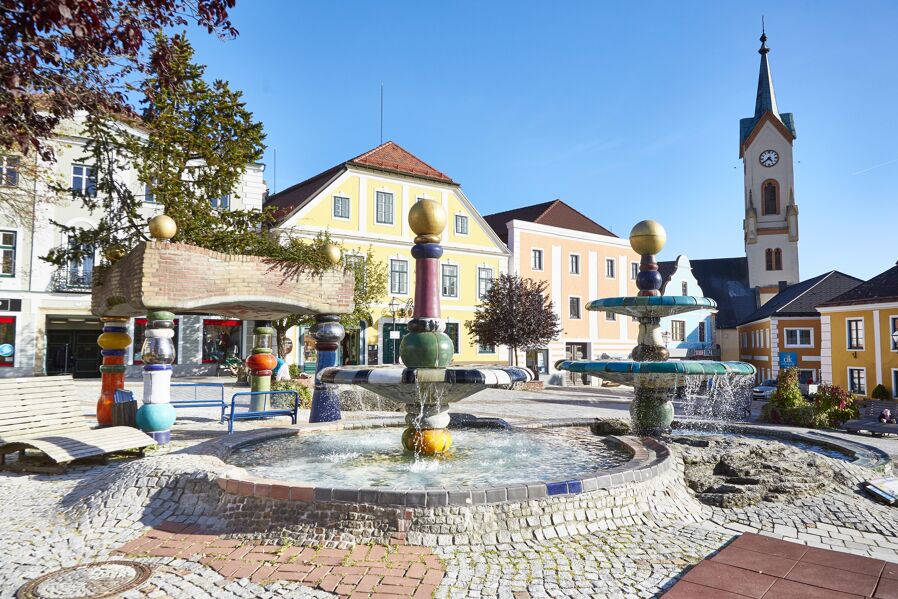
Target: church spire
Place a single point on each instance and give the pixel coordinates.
(766, 100)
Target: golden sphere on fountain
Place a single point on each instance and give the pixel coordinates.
(433, 441)
(647, 237)
(427, 217)
(332, 253)
(163, 227)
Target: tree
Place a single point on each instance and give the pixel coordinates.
(370, 288)
(516, 313)
(193, 143)
(61, 56)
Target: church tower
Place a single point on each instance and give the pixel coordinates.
(771, 214)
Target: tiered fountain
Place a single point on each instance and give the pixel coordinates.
(427, 384)
(652, 375)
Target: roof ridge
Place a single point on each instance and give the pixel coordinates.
(369, 155)
(521, 208)
(820, 278)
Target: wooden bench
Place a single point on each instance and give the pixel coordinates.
(869, 411)
(44, 413)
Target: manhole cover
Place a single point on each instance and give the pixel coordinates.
(88, 581)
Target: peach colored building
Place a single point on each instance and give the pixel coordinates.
(581, 260)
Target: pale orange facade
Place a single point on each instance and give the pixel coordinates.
(763, 343)
(579, 267)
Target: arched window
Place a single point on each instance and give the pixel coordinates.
(777, 259)
(768, 254)
(770, 193)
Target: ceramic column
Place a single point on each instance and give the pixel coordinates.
(327, 333)
(261, 364)
(156, 416)
(427, 346)
(113, 342)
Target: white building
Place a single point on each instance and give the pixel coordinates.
(45, 310)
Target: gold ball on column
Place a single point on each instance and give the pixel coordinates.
(332, 253)
(114, 253)
(163, 227)
(427, 217)
(647, 237)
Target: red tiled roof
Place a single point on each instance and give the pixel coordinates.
(391, 157)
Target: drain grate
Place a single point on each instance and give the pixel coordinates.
(87, 581)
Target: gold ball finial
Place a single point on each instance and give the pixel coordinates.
(647, 237)
(113, 253)
(427, 217)
(163, 227)
(332, 252)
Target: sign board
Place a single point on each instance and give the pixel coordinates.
(6, 350)
(394, 335)
(788, 359)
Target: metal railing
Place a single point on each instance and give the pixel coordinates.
(72, 279)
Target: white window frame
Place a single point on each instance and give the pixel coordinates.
(338, 199)
(443, 268)
(634, 270)
(610, 316)
(672, 328)
(572, 259)
(579, 315)
(217, 202)
(480, 349)
(863, 371)
(893, 325)
(9, 163)
(393, 290)
(462, 218)
(85, 177)
(4, 248)
(542, 259)
(798, 337)
(481, 269)
(862, 334)
(381, 194)
(610, 266)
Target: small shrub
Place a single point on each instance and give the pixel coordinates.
(834, 406)
(285, 400)
(880, 392)
(788, 393)
(295, 371)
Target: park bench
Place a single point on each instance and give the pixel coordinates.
(44, 413)
(869, 411)
(213, 398)
(267, 412)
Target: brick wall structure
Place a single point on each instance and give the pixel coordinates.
(187, 279)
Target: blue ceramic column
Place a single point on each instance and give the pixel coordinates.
(327, 333)
(156, 416)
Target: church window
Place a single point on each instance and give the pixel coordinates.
(768, 262)
(777, 259)
(770, 193)
(685, 288)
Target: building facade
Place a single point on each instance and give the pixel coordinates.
(364, 203)
(690, 335)
(860, 336)
(45, 322)
(786, 332)
(581, 261)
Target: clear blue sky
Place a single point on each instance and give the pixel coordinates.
(624, 111)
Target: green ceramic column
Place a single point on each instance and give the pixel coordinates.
(260, 364)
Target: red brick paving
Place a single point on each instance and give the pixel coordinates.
(363, 572)
(766, 568)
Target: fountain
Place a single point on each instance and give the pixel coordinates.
(428, 383)
(652, 375)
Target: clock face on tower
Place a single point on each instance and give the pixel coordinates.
(768, 158)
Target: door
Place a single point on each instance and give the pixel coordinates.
(537, 361)
(576, 351)
(391, 346)
(73, 352)
(60, 359)
(87, 355)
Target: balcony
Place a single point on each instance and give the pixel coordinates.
(72, 279)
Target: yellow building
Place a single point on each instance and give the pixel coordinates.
(786, 331)
(860, 336)
(363, 203)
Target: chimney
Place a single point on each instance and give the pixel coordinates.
(783, 285)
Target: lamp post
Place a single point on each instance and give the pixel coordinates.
(666, 336)
(393, 305)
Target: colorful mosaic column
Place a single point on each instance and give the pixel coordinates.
(647, 238)
(327, 333)
(156, 416)
(260, 365)
(427, 345)
(113, 342)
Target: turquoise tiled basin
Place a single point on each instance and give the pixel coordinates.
(656, 374)
(664, 305)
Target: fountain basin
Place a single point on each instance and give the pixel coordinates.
(652, 306)
(656, 375)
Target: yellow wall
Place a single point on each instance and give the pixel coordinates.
(844, 358)
(755, 347)
(322, 211)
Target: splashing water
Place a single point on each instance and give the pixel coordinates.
(715, 400)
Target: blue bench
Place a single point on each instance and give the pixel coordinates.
(253, 414)
(197, 402)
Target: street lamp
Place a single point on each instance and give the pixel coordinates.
(394, 306)
(666, 336)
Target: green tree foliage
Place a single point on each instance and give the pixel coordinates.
(370, 289)
(880, 392)
(787, 405)
(516, 313)
(833, 406)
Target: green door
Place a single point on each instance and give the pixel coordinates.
(391, 346)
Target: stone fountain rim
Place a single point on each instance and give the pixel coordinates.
(649, 459)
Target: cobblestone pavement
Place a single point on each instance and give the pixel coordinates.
(41, 531)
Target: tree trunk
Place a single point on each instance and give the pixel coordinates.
(514, 353)
(281, 339)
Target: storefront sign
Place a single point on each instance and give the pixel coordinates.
(788, 359)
